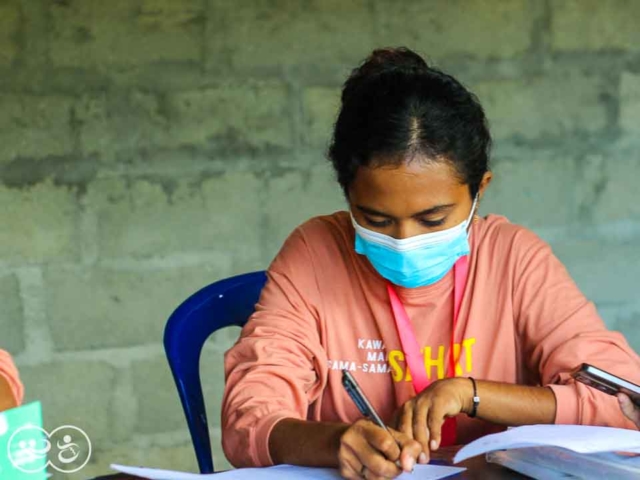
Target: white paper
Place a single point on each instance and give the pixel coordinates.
(579, 438)
(421, 472)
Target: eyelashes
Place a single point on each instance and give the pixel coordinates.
(378, 224)
(386, 223)
(433, 223)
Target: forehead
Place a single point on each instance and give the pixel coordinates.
(413, 186)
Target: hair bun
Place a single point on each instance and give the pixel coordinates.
(381, 61)
(388, 59)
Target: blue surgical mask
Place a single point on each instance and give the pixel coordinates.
(415, 261)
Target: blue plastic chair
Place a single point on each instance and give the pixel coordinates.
(221, 304)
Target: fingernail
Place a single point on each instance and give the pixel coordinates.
(434, 445)
(411, 463)
(422, 459)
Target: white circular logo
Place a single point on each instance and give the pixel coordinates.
(31, 449)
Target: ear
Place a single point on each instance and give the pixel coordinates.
(486, 180)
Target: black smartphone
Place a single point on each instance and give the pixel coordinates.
(607, 382)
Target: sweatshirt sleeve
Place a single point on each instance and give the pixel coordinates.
(10, 373)
(559, 329)
(278, 367)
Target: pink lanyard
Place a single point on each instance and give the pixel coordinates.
(411, 348)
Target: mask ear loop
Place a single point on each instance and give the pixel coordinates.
(472, 213)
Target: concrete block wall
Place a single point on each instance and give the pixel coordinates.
(149, 147)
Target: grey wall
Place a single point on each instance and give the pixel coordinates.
(149, 147)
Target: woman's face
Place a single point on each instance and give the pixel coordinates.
(411, 198)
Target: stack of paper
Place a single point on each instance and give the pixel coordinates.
(551, 463)
(577, 438)
(555, 452)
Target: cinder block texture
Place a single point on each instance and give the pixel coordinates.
(558, 104)
(261, 33)
(39, 223)
(630, 103)
(146, 218)
(313, 191)
(617, 265)
(121, 32)
(578, 25)
(9, 28)
(321, 107)
(457, 27)
(522, 190)
(91, 308)
(626, 319)
(73, 393)
(34, 125)
(605, 187)
(159, 409)
(225, 117)
(11, 319)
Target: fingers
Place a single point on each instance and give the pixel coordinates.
(419, 426)
(376, 466)
(629, 409)
(367, 445)
(411, 450)
(406, 425)
(405, 422)
(426, 415)
(350, 466)
(435, 420)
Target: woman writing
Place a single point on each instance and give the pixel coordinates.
(453, 325)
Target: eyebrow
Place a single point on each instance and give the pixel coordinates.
(428, 211)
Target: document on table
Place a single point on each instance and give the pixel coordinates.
(289, 472)
(578, 438)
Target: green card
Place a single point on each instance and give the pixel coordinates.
(23, 444)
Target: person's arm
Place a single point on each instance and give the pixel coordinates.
(559, 329)
(275, 372)
(631, 411)
(11, 389)
(277, 368)
(502, 403)
(300, 442)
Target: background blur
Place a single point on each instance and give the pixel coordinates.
(149, 147)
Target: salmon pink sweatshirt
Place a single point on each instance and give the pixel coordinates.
(9, 372)
(324, 308)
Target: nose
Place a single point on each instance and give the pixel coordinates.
(405, 229)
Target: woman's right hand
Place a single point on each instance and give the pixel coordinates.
(368, 451)
(631, 411)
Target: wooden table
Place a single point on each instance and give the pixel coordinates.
(477, 469)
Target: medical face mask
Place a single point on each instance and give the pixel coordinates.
(415, 261)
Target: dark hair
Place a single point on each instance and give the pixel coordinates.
(395, 106)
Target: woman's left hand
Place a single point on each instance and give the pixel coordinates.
(631, 411)
(421, 418)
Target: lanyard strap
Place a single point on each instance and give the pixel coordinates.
(407, 336)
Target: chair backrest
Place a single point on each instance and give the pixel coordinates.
(228, 302)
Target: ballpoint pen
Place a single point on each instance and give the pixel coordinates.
(363, 404)
(356, 394)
